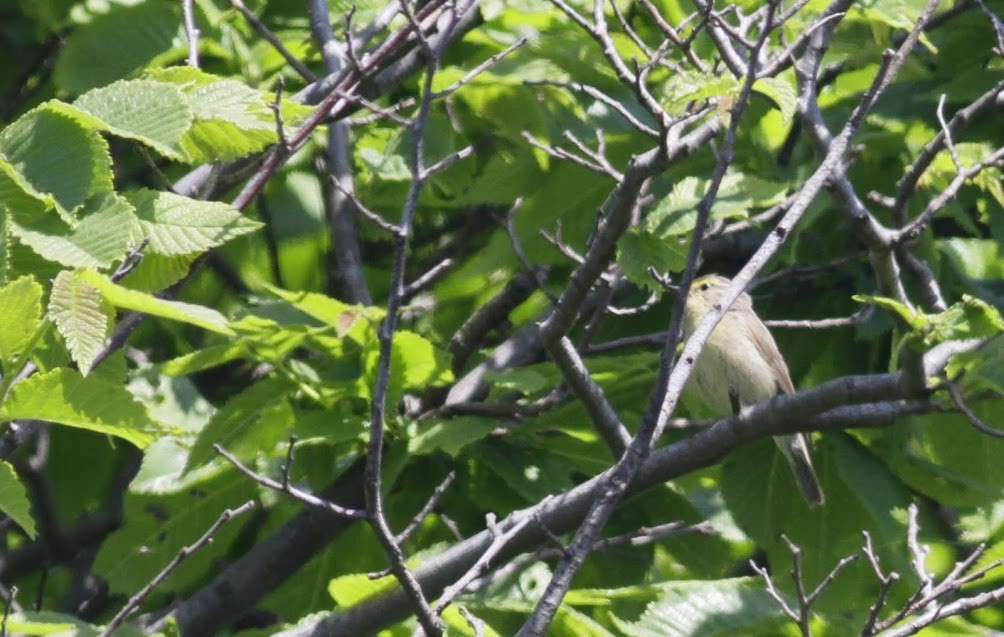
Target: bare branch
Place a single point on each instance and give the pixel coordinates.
(948, 133)
(598, 156)
(377, 112)
(373, 488)
(370, 216)
(471, 334)
(996, 23)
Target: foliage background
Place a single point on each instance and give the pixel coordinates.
(109, 468)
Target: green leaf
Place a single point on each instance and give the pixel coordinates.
(231, 119)
(13, 500)
(348, 590)
(253, 421)
(386, 165)
(969, 318)
(912, 318)
(980, 369)
(177, 225)
(100, 239)
(80, 315)
(450, 436)
(201, 316)
(17, 194)
(157, 272)
(694, 86)
(116, 45)
(65, 397)
(974, 258)
(782, 92)
(424, 364)
(43, 623)
(154, 113)
(959, 462)
(55, 153)
(352, 320)
(676, 214)
(739, 606)
(21, 301)
(638, 250)
(415, 364)
(205, 358)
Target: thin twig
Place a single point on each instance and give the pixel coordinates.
(997, 24)
(290, 490)
(287, 466)
(448, 161)
(479, 69)
(500, 540)
(433, 274)
(604, 99)
(517, 248)
(182, 554)
(918, 553)
(885, 584)
(940, 111)
(370, 216)
(974, 420)
(191, 33)
(561, 153)
(378, 113)
(272, 39)
(913, 229)
(858, 318)
(424, 512)
(906, 187)
(9, 603)
(130, 262)
(773, 592)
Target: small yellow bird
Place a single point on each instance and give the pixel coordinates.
(741, 365)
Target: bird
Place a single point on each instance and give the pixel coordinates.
(741, 365)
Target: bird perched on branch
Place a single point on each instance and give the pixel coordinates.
(741, 365)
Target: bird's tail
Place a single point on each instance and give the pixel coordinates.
(796, 450)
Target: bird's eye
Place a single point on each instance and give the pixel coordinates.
(705, 286)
